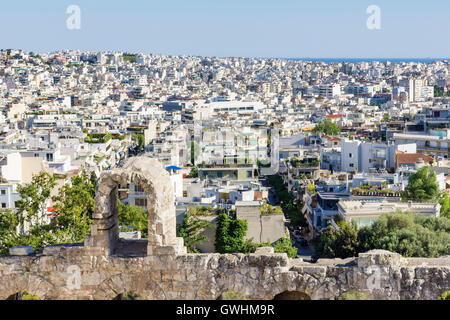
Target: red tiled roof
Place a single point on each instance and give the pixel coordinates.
(331, 138)
(335, 116)
(412, 158)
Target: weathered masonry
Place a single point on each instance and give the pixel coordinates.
(159, 267)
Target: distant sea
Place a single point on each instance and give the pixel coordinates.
(356, 60)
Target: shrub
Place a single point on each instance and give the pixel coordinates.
(352, 295)
(129, 295)
(27, 296)
(410, 235)
(445, 296)
(232, 295)
(285, 245)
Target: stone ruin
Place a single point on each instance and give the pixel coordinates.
(155, 181)
(105, 266)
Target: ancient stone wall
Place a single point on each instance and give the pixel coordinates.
(159, 268)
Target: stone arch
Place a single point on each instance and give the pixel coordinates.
(155, 181)
(292, 295)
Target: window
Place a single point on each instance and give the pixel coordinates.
(140, 202)
(49, 157)
(351, 165)
(138, 188)
(350, 155)
(3, 205)
(3, 191)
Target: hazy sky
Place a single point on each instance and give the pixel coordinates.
(276, 28)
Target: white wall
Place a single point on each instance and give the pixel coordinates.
(350, 147)
(407, 148)
(177, 183)
(13, 170)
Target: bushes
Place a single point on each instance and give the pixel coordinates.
(129, 295)
(268, 209)
(98, 138)
(342, 243)
(408, 234)
(352, 295)
(285, 245)
(193, 173)
(445, 206)
(445, 296)
(232, 295)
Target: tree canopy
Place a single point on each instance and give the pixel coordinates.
(72, 210)
(327, 126)
(422, 186)
(134, 218)
(410, 235)
(230, 234)
(192, 230)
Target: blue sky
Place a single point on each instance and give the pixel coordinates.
(276, 28)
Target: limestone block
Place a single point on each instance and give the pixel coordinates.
(21, 251)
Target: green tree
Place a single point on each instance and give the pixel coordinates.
(386, 117)
(34, 197)
(340, 243)
(193, 173)
(133, 217)
(422, 185)
(192, 231)
(139, 139)
(194, 150)
(411, 235)
(230, 234)
(93, 180)
(74, 206)
(9, 223)
(445, 206)
(327, 126)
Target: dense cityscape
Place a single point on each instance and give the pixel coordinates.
(316, 160)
